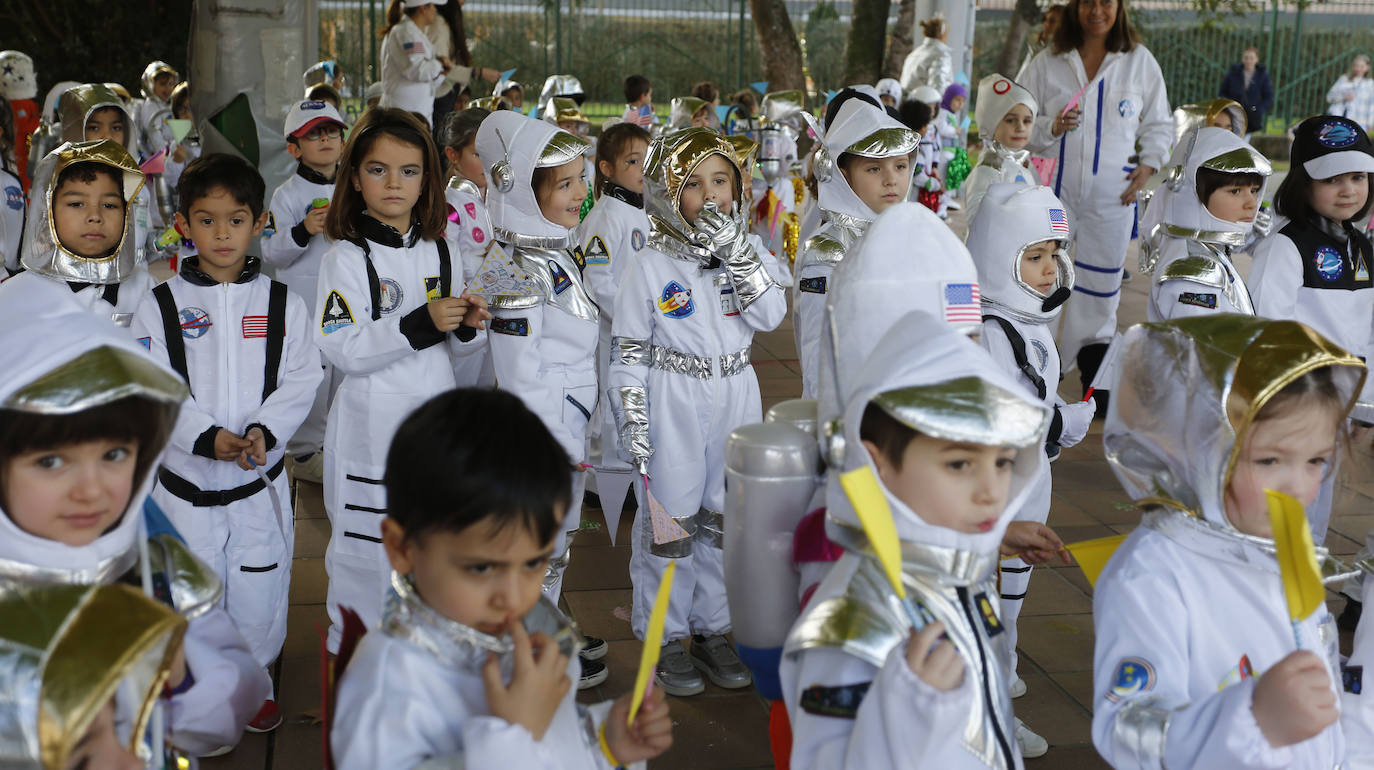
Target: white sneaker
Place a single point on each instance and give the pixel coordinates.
(1031, 745)
(311, 468)
(1018, 688)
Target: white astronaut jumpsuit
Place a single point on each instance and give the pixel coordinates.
(681, 381)
(469, 236)
(1016, 217)
(296, 255)
(11, 221)
(613, 236)
(996, 96)
(112, 287)
(1125, 103)
(852, 698)
(229, 683)
(410, 73)
(1189, 613)
(543, 331)
(414, 692)
(1191, 247)
(865, 131)
(224, 347)
(393, 360)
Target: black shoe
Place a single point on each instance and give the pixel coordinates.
(1350, 616)
(591, 499)
(595, 649)
(594, 672)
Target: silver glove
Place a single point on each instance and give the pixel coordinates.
(717, 231)
(632, 418)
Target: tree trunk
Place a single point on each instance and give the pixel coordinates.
(863, 55)
(903, 39)
(1026, 14)
(782, 54)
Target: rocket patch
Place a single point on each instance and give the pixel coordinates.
(1239, 673)
(596, 252)
(389, 296)
(675, 301)
(336, 314)
(432, 288)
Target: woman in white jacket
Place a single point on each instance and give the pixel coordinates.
(1352, 96)
(1100, 93)
(411, 71)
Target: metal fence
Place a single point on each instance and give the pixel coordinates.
(677, 43)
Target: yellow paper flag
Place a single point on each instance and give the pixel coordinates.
(1092, 555)
(1302, 578)
(653, 641)
(866, 495)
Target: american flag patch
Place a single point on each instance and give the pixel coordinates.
(963, 303)
(254, 327)
(1059, 221)
(413, 47)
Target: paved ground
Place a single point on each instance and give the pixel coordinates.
(728, 729)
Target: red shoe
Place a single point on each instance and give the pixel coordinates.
(268, 719)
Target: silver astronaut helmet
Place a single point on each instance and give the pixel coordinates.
(150, 74)
(941, 384)
(681, 109)
(784, 108)
(17, 77)
(67, 651)
(672, 158)
(1191, 116)
(1018, 217)
(43, 252)
(562, 110)
(565, 86)
(75, 106)
(84, 362)
(512, 146)
(865, 131)
(1187, 395)
(1214, 149)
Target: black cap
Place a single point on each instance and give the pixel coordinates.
(1331, 145)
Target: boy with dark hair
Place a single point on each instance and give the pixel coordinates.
(294, 243)
(472, 662)
(639, 97)
(241, 342)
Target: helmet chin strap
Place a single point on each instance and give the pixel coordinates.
(1058, 297)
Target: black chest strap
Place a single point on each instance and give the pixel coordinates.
(1018, 352)
(276, 334)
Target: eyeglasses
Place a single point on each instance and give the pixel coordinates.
(332, 131)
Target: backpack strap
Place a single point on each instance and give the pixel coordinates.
(445, 269)
(1018, 352)
(374, 283)
(171, 330)
(276, 336)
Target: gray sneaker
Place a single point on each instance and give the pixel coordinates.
(715, 656)
(675, 673)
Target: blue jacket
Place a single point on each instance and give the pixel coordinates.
(1257, 100)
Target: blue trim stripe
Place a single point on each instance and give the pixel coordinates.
(1097, 142)
(1102, 294)
(1096, 269)
(1059, 172)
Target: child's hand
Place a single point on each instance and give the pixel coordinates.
(650, 735)
(1033, 543)
(477, 313)
(256, 449)
(229, 445)
(1293, 701)
(447, 312)
(536, 687)
(314, 221)
(934, 660)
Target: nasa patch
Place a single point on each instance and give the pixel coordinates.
(1133, 676)
(194, 322)
(637, 239)
(1042, 355)
(675, 301)
(1337, 133)
(1328, 262)
(1126, 108)
(312, 105)
(390, 296)
(14, 197)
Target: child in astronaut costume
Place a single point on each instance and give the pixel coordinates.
(1197, 663)
(862, 168)
(1124, 105)
(779, 195)
(1005, 113)
(859, 687)
(469, 225)
(225, 686)
(927, 181)
(110, 285)
(1205, 209)
(544, 325)
(685, 317)
(218, 323)
(389, 336)
(155, 109)
(1020, 242)
(556, 86)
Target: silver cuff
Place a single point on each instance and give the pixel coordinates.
(711, 528)
(559, 563)
(633, 420)
(630, 351)
(673, 549)
(747, 275)
(1141, 728)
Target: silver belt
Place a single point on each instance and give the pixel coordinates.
(700, 367)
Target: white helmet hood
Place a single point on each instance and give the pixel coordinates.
(512, 146)
(1013, 218)
(859, 128)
